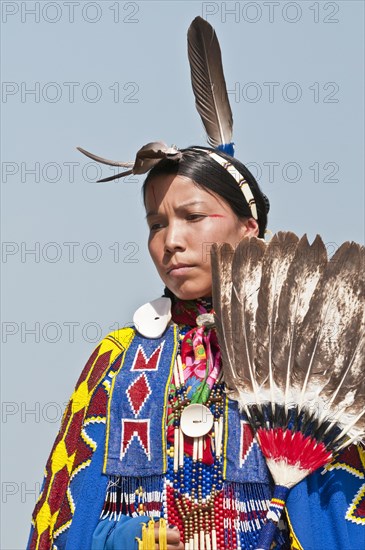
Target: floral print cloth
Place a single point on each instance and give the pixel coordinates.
(200, 353)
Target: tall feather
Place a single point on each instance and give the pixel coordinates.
(209, 85)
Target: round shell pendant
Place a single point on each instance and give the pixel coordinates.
(196, 420)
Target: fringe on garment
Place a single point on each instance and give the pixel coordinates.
(133, 496)
(240, 516)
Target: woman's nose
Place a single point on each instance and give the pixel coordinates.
(174, 237)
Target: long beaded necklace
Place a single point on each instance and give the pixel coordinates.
(204, 423)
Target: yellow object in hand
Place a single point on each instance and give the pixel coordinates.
(162, 535)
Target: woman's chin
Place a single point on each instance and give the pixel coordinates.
(191, 293)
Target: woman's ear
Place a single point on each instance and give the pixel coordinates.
(250, 228)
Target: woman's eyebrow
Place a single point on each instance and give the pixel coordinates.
(191, 203)
(180, 207)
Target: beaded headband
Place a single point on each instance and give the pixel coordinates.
(150, 155)
(238, 177)
(211, 100)
(242, 183)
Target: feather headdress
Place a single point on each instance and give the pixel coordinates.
(211, 100)
(290, 323)
(146, 158)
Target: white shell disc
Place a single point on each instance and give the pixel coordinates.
(151, 319)
(196, 420)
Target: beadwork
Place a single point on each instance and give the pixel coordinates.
(194, 487)
(233, 502)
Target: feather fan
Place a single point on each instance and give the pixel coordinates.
(290, 323)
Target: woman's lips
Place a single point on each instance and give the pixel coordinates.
(180, 271)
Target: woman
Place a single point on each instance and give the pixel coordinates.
(190, 203)
(120, 458)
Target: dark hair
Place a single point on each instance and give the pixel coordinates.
(209, 174)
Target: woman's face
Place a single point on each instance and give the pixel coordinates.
(184, 221)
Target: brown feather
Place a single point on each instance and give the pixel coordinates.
(246, 276)
(103, 160)
(302, 277)
(150, 154)
(221, 261)
(116, 176)
(279, 255)
(147, 157)
(209, 85)
(348, 396)
(332, 334)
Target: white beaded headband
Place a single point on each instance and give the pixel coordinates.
(239, 178)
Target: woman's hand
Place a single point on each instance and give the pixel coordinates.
(173, 538)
